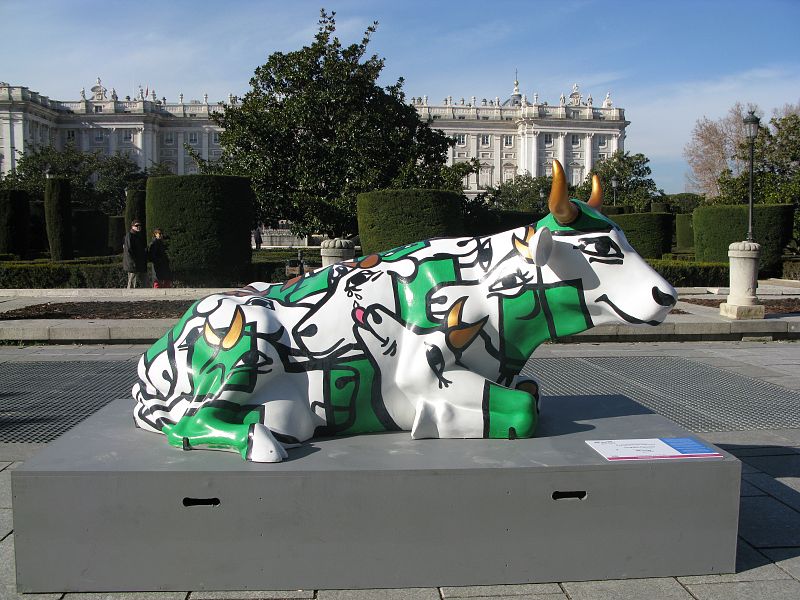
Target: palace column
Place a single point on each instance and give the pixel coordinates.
(589, 154)
(204, 144)
(112, 141)
(8, 156)
(534, 154)
(142, 144)
(562, 151)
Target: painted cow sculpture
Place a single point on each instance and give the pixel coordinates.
(429, 337)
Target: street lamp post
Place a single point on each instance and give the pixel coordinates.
(742, 301)
(751, 122)
(614, 184)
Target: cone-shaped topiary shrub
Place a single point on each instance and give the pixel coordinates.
(58, 217)
(206, 220)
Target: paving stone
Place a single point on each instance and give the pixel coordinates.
(777, 466)
(748, 489)
(388, 594)
(786, 589)
(656, 589)
(785, 489)
(5, 488)
(751, 565)
(126, 596)
(18, 451)
(765, 522)
(787, 559)
(759, 437)
(8, 576)
(254, 595)
(502, 591)
(6, 522)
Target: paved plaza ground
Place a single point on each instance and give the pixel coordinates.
(741, 395)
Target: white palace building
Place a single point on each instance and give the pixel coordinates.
(509, 137)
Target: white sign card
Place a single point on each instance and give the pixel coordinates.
(652, 449)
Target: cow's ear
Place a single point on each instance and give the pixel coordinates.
(541, 246)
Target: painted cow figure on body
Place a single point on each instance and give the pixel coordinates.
(429, 337)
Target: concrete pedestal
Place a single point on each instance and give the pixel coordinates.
(336, 250)
(742, 302)
(108, 507)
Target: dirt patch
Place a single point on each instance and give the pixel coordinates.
(781, 306)
(144, 309)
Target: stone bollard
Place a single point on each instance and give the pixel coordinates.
(742, 302)
(337, 250)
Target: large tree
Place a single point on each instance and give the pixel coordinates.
(635, 187)
(316, 129)
(714, 148)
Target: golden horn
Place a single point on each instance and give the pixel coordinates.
(561, 208)
(235, 331)
(454, 315)
(596, 199)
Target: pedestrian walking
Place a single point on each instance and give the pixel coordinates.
(257, 237)
(157, 254)
(134, 256)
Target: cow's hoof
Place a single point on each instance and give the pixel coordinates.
(262, 445)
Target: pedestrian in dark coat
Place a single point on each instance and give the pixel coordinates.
(134, 256)
(157, 253)
(257, 237)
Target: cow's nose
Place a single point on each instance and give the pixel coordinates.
(663, 299)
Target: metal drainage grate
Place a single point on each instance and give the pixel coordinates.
(697, 396)
(41, 400)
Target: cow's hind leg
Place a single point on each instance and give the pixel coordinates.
(474, 407)
(234, 428)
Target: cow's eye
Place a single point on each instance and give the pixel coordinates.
(510, 281)
(601, 248)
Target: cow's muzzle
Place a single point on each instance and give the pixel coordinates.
(663, 299)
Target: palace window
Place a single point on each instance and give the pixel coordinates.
(70, 135)
(99, 136)
(508, 140)
(98, 109)
(485, 139)
(548, 139)
(193, 137)
(169, 138)
(576, 140)
(215, 137)
(127, 135)
(461, 139)
(601, 141)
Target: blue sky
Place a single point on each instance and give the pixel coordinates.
(667, 63)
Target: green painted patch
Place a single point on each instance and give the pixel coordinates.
(412, 295)
(165, 340)
(351, 398)
(215, 428)
(588, 221)
(215, 368)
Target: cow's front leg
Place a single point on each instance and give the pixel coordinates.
(475, 407)
(241, 429)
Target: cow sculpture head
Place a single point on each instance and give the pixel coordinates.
(576, 243)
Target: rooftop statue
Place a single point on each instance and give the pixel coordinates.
(430, 337)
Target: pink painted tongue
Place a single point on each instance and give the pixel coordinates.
(358, 313)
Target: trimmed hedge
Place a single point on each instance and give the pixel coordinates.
(116, 233)
(67, 274)
(136, 208)
(58, 217)
(15, 214)
(659, 207)
(37, 231)
(90, 232)
(684, 232)
(681, 273)
(649, 233)
(496, 221)
(618, 209)
(207, 221)
(717, 227)
(391, 218)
